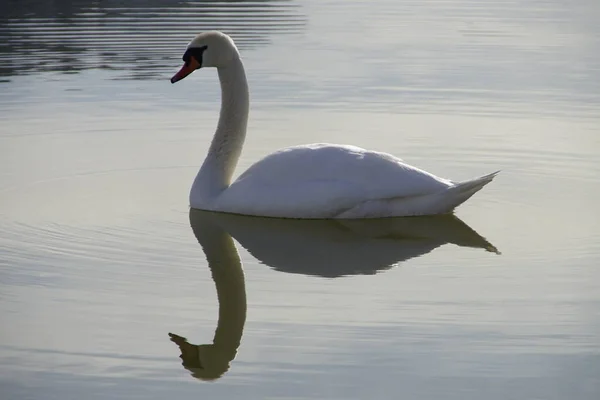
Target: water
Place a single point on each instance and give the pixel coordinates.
(100, 258)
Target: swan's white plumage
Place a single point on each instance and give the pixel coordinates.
(336, 181)
(323, 181)
(309, 181)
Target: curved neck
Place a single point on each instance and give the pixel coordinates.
(218, 167)
(228, 274)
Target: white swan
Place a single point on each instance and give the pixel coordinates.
(309, 181)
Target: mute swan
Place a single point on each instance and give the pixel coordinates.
(311, 181)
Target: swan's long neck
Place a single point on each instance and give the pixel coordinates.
(218, 167)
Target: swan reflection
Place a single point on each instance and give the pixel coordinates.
(327, 248)
(211, 361)
(334, 248)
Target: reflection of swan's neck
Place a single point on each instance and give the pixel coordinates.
(210, 361)
(228, 275)
(216, 172)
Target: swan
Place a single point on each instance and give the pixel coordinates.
(316, 181)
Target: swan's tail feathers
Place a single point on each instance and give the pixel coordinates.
(462, 191)
(474, 185)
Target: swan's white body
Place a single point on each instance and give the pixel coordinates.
(336, 181)
(310, 181)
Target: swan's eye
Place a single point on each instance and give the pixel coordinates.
(195, 52)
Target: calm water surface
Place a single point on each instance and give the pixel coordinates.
(111, 288)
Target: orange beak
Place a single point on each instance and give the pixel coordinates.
(187, 69)
(183, 72)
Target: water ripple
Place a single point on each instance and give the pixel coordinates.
(73, 36)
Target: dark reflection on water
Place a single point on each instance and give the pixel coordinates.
(319, 247)
(335, 248)
(211, 361)
(71, 36)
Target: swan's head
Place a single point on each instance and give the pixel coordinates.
(208, 49)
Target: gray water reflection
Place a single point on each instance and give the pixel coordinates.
(211, 361)
(322, 248)
(71, 36)
(336, 248)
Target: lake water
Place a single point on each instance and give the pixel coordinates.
(100, 258)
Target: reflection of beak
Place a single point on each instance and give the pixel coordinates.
(189, 352)
(183, 72)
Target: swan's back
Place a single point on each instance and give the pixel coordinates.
(323, 181)
(371, 170)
